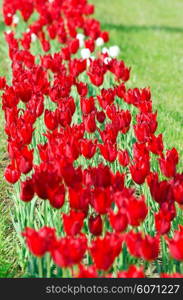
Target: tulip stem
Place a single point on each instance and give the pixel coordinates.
(164, 254)
(48, 266)
(104, 225)
(40, 269)
(45, 212)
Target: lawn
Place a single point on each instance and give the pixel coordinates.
(7, 245)
(150, 35)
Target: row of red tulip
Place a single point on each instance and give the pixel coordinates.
(82, 115)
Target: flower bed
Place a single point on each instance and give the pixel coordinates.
(96, 194)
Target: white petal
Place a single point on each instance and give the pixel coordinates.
(99, 42)
(15, 19)
(33, 37)
(80, 36)
(105, 50)
(85, 53)
(114, 51)
(107, 60)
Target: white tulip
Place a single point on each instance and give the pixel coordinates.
(99, 42)
(81, 44)
(107, 60)
(80, 36)
(15, 19)
(105, 50)
(88, 61)
(85, 53)
(33, 37)
(114, 51)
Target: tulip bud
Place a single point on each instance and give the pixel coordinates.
(95, 225)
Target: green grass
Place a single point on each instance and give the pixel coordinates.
(150, 35)
(7, 237)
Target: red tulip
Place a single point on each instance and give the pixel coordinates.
(87, 105)
(118, 221)
(24, 91)
(82, 89)
(140, 152)
(122, 121)
(160, 190)
(156, 144)
(140, 170)
(101, 117)
(149, 248)
(25, 160)
(133, 241)
(168, 164)
(109, 134)
(95, 225)
(120, 90)
(177, 187)
(88, 148)
(105, 36)
(12, 174)
(162, 223)
(79, 198)
(105, 250)
(39, 242)
(50, 119)
(101, 200)
(118, 181)
(86, 272)
(77, 66)
(176, 244)
(56, 196)
(96, 79)
(66, 53)
(73, 222)
(69, 251)
(146, 247)
(168, 208)
(90, 44)
(89, 9)
(132, 272)
(73, 46)
(96, 72)
(45, 180)
(119, 69)
(108, 151)
(100, 176)
(72, 176)
(2, 83)
(173, 275)
(123, 158)
(136, 210)
(45, 45)
(142, 132)
(90, 123)
(27, 190)
(107, 97)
